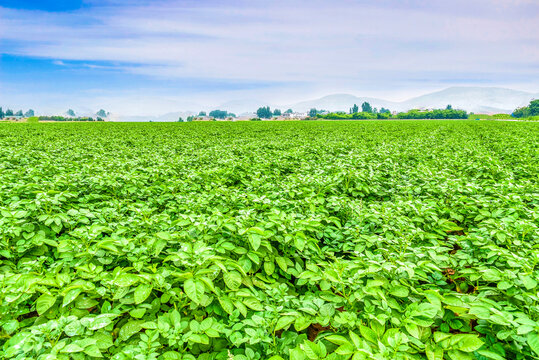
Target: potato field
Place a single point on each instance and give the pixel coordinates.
(269, 240)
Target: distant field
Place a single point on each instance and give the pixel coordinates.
(501, 117)
(270, 240)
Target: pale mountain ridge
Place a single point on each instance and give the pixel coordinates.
(488, 100)
(339, 102)
(473, 99)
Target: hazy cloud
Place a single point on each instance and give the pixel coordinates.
(307, 47)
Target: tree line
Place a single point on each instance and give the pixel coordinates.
(70, 115)
(265, 112)
(368, 112)
(9, 113)
(526, 111)
(63, 118)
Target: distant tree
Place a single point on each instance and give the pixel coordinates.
(29, 113)
(19, 113)
(375, 111)
(433, 114)
(534, 107)
(190, 118)
(102, 113)
(531, 110)
(218, 114)
(70, 112)
(366, 107)
(277, 112)
(521, 112)
(264, 112)
(180, 119)
(1, 113)
(313, 112)
(449, 107)
(354, 109)
(9, 112)
(384, 111)
(202, 113)
(289, 111)
(232, 115)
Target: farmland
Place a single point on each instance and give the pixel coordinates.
(270, 240)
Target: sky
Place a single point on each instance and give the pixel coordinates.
(152, 57)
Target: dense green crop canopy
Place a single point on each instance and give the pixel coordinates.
(269, 240)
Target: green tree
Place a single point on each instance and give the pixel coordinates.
(354, 109)
(1, 113)
(366, 107)
(449, 107)
(264, 112)
(102, 113)
(384, 111)
(313, 112)
(180, 119)
(19, 113)
(534, 107)
(289, 111)
(71, 113)
(277, 112)
(521, 112)
(29, 113)
(202, 113)
(9, 112)
(531, 110)
(218, 114)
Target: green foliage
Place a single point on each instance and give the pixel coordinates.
(102, 113)
(219, 114)
(32, 119)
(354, 116)
(9, 112)
(354, 109)
(527, 111)
(202, 113)
(313, 112)
(71, 113)
(289, 111)
(29, 113)
(62, 118)
(269, 240)
(366, 107)
(433, 114)
(1, 113)
(264, 112)
(277, 112)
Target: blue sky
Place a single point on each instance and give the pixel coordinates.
(142, 57)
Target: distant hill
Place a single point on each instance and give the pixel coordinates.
(486, 100)
(338, 102)
(473, 99)
(476, 99)
(242, 106)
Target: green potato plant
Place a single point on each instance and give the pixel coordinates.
(269, 240)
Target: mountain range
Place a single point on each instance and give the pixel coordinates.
(485, 100)
(472, 99)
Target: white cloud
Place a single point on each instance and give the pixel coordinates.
(338, 45)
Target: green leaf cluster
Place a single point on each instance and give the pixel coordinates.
(269, 240)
